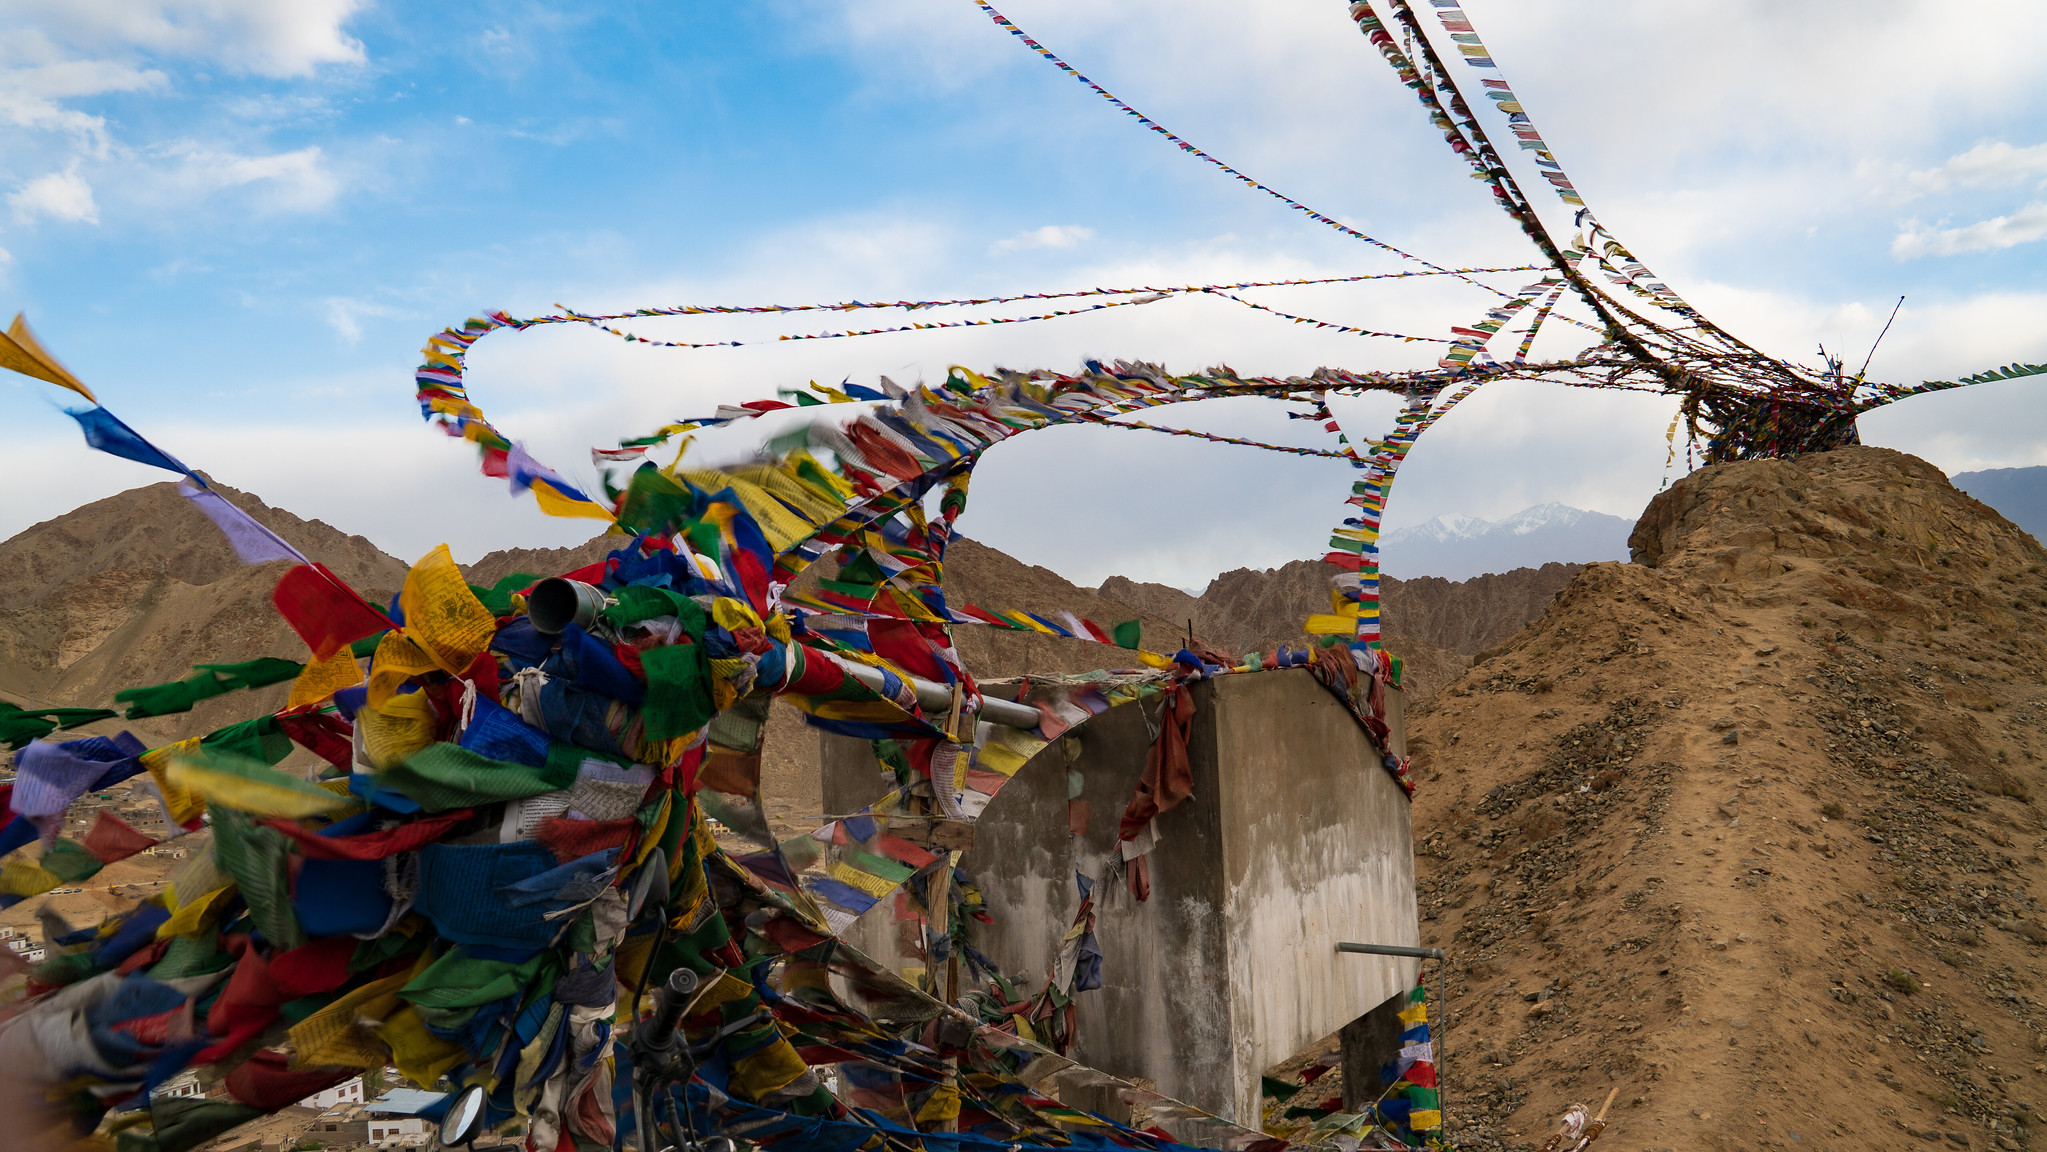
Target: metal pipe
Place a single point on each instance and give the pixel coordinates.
(1391, 950)
(939, 697)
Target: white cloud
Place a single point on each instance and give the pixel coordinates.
(1050, 236)
(297, 181)
(345, 315)
(271, 38)
(59, 195)
(2024, 226)
(1992, 164)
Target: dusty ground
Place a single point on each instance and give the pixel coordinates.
(1752, 833)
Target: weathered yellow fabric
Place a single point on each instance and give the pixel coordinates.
(21, 877)
(254, 787)
(442, 616)
(944, 1104)
(196, 915)
(397, 660)
(395, 729)
(183, 803)
(323, 678)
(1322, 624)
(419, 1055)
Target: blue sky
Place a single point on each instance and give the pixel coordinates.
(239, 220)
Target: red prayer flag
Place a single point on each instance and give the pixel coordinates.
(325, 612)
(322, 733)
(113, 838)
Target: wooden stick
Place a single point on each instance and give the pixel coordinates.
(1611, 1093)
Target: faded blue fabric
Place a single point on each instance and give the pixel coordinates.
(498, 733)
(462, 890)
(574, 716)
(588, 663)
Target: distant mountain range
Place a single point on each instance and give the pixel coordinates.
(2018, 494)
(1461, 547)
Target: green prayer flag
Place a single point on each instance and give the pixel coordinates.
(18, 727)
(73, 717)
(1128, 633)
(258, 739)
(69, 862)
(367, 646)
(1279, 1090)
(165, 699)
(190, 956)
(180, 1123)
(443, 776)
(459, 980)
(678, 690)
(636, 602)
(258, 673)
(497, 599)
(258, 858)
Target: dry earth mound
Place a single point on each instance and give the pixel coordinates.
(1747, 827)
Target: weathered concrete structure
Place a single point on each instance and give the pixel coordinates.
(1295, 838)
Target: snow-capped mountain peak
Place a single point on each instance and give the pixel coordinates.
(1551, 515)
(1456, 547)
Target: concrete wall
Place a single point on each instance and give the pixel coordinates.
(1295, 838)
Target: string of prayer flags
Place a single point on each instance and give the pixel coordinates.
(1010, 26)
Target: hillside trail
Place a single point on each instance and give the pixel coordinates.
(1747, 827)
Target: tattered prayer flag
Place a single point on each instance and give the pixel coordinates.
(442, 616)
(322, 678)
(1128, 633)
(325, 612)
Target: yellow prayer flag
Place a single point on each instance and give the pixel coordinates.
(183, 803)
(1324, 625)
(397, 660)
(395, 729)
(556, 503)
(320, 679)
(23, 877)
(281, 796)
(196, 915)
(334, 1036)
(419, 1055)
(1153, 659)
(442, 616)
(20, 352)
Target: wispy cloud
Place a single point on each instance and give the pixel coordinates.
(1050, 236)
(258, 36)
(345, 315)
(298, 181)
(1991, 164)
(59, 195)
(2024, 226)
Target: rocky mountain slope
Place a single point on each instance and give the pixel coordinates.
(1435, 625)
(1748, 828)
(134, 589)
